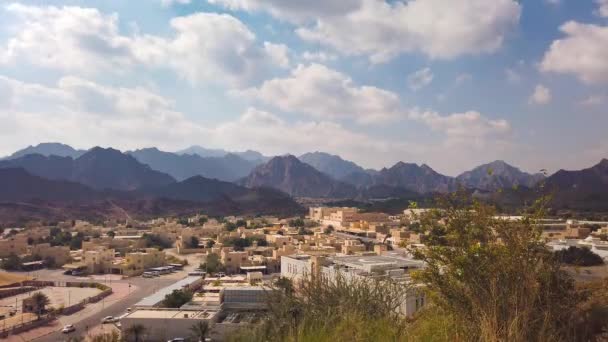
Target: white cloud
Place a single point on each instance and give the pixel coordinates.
(319, 56)
(595, 100)
(295, 11)
(463, 78)
(382, 30)
(322, 92)
(541, 95)
(168, 3)
(470, 125)
(279, 53)
(513, 76)
(205, 47)
(420, 79)
(582, 53)
(602, 10)
(84, 113)
(81, 112)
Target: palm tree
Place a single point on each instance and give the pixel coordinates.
(136, 330)
(40, 301)
(200, 330)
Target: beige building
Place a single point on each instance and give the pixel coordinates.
(60, 254)
(100, 260)
(233, 260)
(352, 246)
(137, 262)
(16, 244)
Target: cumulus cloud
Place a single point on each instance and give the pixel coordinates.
(168, 3)
(602, 10)
(582, 53)
(382, 30)
(420, 79)
(322, 92)
(204, 47)
(462, 126)
(541, 95)
(319, 56)
(78, 111)
(295, 11)
(279, 53)
(595, 100)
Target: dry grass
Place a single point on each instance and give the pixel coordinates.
(11, 278)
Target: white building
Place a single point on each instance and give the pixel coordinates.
(396, 267)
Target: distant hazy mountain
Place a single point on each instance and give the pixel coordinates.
(331, 164)
(361, 179)
(228, 196)
(25, 197)
(98, 168)
(48, 149)
(198, 189)
(290, 175)
(421, 179)
(249, 155)
(228, 167)
(583, 189)
(19, 185)
(498, 175)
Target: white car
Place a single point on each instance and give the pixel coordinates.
(109, 319)
(68, 329)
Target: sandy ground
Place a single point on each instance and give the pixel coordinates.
(120, 291)
(59, 296)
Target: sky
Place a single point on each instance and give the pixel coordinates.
(452, 84)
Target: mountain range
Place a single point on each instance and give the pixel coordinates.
(98, 168)
(252, 156)
(199, 175)
(298, 179)
(227, 167)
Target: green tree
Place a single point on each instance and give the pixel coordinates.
(337, 309)
(202, 220)
(298, 223)
(192, 242)
(177, 298)
(200, 331)
(578, 257)
(229, 226)
(40, 301)
(112, 234)
(212, 263)
(209, 244)
(12, 263)
(494, 278)
(329, 229)
(137, 331)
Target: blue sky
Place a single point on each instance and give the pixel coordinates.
(451, 84)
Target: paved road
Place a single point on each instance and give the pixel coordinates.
(91, 316)
(103, 309)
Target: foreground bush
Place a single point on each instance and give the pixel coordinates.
(578, 257)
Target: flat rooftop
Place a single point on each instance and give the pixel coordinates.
(361, 261)
(159, 295)
(172, 314)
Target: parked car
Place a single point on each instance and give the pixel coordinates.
(177, 339)
(109, 319)
(68, 329)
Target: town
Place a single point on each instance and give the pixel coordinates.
(164, 277)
